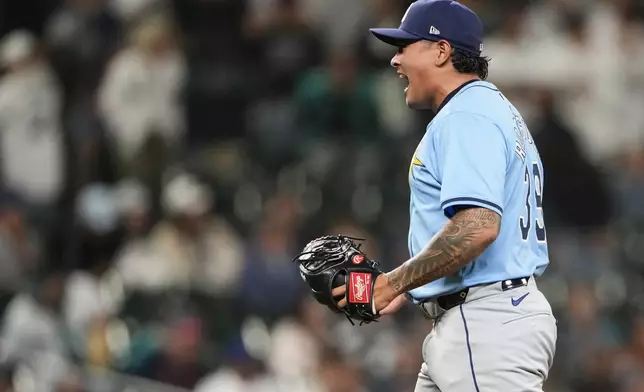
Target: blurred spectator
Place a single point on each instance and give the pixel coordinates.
(32, 333)
(81, 36)
(614, 92)
(135, 259)
(269, 252)
(339, 375)
(337, 101)
(338, 23)
(20, 248)
(574, 184)
(287, 46)
(295, 345)
(394, 116)
(97, 210)
(194, 248)
(92, 156)
(548, 19)
(375, 53)
(30, 122)
(586, 336)
(92, 295)
(241, 372)
(139, 95)
(177, 363)
(629, 186)
(223, 78)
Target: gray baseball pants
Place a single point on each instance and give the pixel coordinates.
(496, 341)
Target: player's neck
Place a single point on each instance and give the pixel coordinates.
(448, 86)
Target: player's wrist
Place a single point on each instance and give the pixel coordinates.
(388, 290)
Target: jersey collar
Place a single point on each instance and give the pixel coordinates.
(453, 93)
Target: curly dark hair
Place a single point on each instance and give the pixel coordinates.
(470, 63)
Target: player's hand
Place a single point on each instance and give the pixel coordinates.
(383, 295)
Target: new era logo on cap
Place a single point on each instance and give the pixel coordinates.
(459, 25)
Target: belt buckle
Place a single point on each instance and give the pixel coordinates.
(427, 314)
(510, 283)
(424, 311)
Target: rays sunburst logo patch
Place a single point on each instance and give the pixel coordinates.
(414, 162)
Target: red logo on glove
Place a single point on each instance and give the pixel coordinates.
(360, 288)
(357, 259)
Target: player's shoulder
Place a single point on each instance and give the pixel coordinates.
(480, 100)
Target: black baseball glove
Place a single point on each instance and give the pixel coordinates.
(331, 261)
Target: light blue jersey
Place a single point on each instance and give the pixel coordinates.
(478, 151)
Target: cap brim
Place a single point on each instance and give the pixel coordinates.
(396, 37)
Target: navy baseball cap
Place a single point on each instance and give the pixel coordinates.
(435, 20)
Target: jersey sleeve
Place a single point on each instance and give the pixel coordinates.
(472, 154)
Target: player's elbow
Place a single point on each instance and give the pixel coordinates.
(489, 236)
(490, 232)
(483, 240)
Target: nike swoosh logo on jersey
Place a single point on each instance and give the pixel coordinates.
(516, 302)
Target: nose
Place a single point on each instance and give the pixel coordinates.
(395, 61)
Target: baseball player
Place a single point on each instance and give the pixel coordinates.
(477, 236)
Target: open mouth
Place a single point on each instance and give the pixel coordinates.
(405, 79)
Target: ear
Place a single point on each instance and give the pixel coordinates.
(444, 53)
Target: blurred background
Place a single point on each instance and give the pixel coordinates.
(162, 161)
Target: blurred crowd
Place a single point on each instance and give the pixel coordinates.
(162, 162)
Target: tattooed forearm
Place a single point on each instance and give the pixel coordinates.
(463, 238)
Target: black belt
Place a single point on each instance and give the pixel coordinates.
(449, 301)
